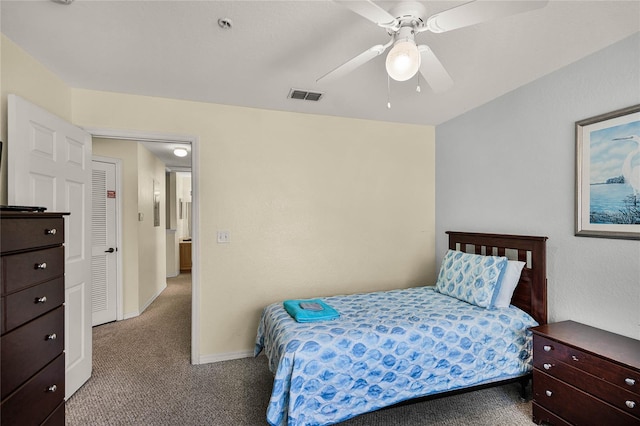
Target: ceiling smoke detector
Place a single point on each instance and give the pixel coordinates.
(224, 23)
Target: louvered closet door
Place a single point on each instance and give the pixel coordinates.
(103, 254)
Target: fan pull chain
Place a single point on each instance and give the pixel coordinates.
(388, 92)
(418, 88)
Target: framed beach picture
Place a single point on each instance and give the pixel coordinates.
(608, 175)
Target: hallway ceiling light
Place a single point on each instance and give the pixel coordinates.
(180, 152)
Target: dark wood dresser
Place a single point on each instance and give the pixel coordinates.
(32, 364)
(585, 376)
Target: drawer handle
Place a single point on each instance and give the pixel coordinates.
(630, 381)
(575, 358)
(548, 393)
(42, 299)
(52, 388)
(630, 404)
(52, 336)
(51, 231)
(547, 366)
(42, 265)
(547, 348)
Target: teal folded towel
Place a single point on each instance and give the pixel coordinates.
(310, 310)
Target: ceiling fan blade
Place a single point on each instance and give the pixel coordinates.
(354, 63)
(371, 11)
(479, 11)
(433, 71)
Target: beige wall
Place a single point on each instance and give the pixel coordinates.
(173, 253)
(183, 190)
(315, 205)
(24, 76)
(127, 151)
(152, 270)
(144, 245)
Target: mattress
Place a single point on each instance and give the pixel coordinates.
(386, 347)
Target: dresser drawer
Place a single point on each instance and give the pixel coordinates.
(27, 233)
(23, 270)
(27, 349)
(569, 402)
(541, 414)
(34, 401)
(56, 418)
(25, 305)
(618, 397)
(611, 372)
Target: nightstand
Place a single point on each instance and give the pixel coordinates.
(584, 375)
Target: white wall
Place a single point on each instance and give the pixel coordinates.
(509, 167)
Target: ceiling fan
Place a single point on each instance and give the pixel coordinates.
(409, 18)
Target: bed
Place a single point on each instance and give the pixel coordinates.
(400, 345)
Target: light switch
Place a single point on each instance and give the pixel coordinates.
(223, 237)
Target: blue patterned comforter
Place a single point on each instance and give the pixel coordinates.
(386, 347)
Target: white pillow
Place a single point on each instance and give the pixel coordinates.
(509, 283)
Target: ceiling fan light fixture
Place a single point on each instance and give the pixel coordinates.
(403, 60)
(180, 152)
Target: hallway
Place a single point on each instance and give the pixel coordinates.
(142, 373)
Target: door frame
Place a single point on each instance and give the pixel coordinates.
(119, 192)
(139, 136)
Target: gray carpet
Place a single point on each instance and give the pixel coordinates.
(142, 376)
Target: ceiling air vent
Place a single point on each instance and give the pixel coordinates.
(303, 94)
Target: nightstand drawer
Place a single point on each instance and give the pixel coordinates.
(34, 401)
(20, 271)
(613, 373)
(29, 348)
(569, 402)
(22, 233)
(25, 305)
(621, 398)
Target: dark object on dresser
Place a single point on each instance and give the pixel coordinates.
(32, 361)
(583, 375)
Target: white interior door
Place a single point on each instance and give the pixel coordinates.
(49, 165)
(104, 264)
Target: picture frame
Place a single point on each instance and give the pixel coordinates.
(608, 175)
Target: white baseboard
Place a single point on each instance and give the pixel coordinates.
(130, 315)
(206, 359)
(134, 314)
(152, 298)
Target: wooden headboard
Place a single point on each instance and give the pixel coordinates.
(531, 293)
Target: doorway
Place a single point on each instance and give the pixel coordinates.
(106, 234)
(192, 141)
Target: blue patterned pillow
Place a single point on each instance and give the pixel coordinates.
(472, 278)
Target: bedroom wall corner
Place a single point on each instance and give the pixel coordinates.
(509, 167)
(22, 75)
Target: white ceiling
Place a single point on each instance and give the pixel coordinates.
(164, 152)
(176, 49)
